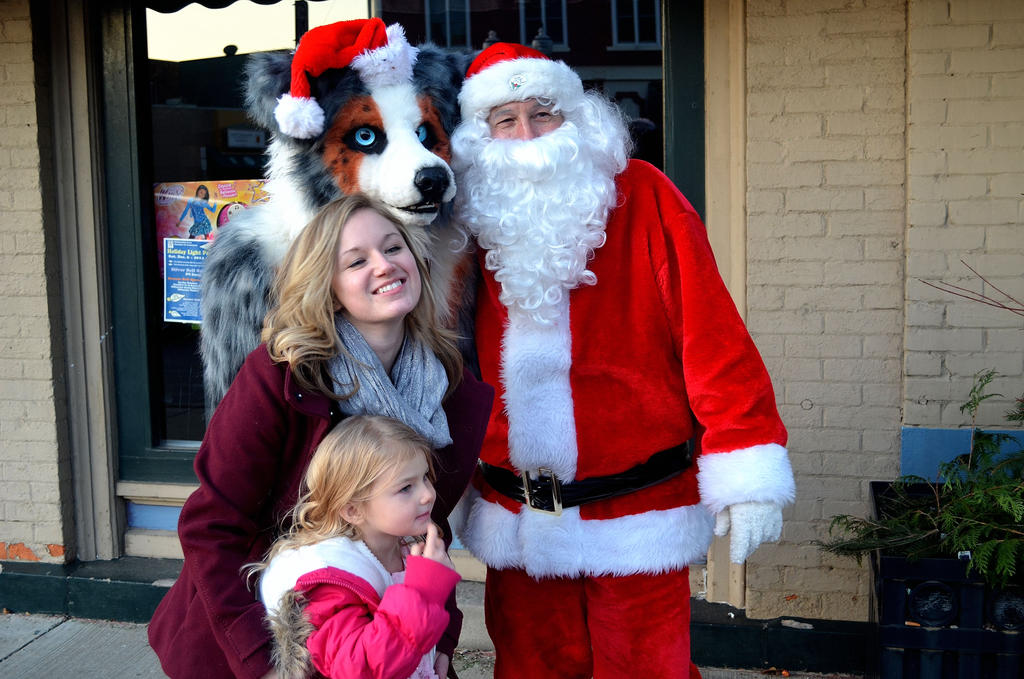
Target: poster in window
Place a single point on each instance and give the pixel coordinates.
(199, 210)
(189, 215)
(183, 270)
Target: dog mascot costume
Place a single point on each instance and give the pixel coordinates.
(356, 108)
(612, 342)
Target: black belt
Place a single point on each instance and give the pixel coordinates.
(547, 494)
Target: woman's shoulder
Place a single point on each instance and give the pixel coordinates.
(473, 388)
(260, 363)
(471, 399)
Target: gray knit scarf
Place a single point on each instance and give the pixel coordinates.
(411, 394)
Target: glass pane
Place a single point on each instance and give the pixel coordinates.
(438, 25)
(531, 16)
(556, 25)
(624, 21)
(459, 19)
(207, 163)
(646, 24)
(552, 11)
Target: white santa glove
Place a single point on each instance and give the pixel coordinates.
(751, 524)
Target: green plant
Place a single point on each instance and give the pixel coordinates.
(975, 510)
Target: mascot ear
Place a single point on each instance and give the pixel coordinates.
(439, 75)
(268, 76)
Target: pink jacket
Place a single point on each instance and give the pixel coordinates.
(364, 624)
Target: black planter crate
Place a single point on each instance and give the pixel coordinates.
(937, 622)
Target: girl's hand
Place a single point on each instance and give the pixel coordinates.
(441, 665)
(433, 548)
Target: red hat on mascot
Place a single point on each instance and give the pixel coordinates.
(382, 56)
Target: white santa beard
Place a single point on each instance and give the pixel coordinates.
(538, 208)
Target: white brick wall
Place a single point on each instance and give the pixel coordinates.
(965, 160)
(825, 204)
(31, 504)
(885, 143)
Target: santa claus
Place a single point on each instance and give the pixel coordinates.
(635, 409)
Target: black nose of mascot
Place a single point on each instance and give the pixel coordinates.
(432, 183)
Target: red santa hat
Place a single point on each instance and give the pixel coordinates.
(382, 56)
(507, 72)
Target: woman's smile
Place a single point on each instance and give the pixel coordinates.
(389, 287)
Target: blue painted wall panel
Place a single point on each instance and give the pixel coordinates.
(924, 449)
(152, 517)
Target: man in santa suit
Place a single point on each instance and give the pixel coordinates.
(636, 418)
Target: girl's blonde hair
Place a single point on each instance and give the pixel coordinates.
(299, 328)
(358, 453)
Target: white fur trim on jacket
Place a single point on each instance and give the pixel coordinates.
(390, 64)
(519, 80)
(568, 546)
(538, 398)
(299, 117)
(352, 556)
(757, 474)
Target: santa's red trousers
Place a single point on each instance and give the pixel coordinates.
(605, 627)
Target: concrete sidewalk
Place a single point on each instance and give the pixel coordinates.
(46, 647)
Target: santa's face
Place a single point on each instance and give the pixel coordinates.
(376, 283)
(538, 208)
(523, 120)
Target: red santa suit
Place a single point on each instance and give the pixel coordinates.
(642, 357)
(652, 355)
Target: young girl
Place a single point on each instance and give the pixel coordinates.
(343, 591)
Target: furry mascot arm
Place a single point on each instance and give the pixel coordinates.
(235, 297)
(239, 271)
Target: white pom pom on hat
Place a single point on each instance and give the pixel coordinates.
(508, 71)
(381, 55)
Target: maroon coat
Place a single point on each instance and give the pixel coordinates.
(250, 466)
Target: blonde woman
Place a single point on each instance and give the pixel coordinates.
(352, 332)
(347, 592)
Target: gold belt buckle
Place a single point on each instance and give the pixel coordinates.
(556, 492)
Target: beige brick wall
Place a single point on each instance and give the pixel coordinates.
(31, 499)
(825, 201)
(965, 166)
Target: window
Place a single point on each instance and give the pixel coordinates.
(548, 15)
(175, 96)
(448, 22)
(636, 24)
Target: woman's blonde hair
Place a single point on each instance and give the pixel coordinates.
(299, 328)
(348, 464)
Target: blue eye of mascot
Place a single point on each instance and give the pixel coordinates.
(355, 108)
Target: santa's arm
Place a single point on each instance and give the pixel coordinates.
(743, 464)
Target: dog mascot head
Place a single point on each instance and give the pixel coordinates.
(355, 108)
